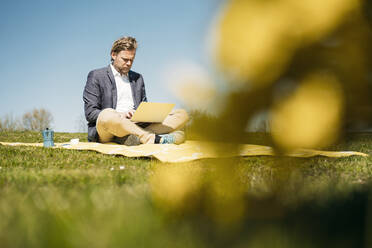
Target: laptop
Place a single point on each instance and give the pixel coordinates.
(152, 112)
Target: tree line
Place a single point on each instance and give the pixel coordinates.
(35, 120)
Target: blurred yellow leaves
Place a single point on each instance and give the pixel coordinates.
(225, 198)
(189, 188)
(173, 188)
(256, 39)
(311, 117)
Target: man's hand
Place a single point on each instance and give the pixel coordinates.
(129, 113)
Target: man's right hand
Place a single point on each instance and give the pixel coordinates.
(129, 113)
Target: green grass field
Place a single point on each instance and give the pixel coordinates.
(68, 198)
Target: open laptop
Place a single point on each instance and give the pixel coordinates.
(152, 112)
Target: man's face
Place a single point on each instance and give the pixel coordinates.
(123, 60)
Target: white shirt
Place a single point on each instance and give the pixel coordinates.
(124, 91)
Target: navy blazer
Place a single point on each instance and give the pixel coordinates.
(100, 93)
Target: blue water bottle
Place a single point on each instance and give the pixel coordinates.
(48, 137)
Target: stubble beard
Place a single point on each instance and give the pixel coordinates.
(124, 71)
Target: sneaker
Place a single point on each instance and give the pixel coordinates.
(176, 137)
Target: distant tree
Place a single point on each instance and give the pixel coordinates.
(10, 123)
(37, 119)
(81, 124)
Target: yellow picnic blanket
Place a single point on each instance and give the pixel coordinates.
(188, 151)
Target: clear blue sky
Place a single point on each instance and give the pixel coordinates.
(48, 47)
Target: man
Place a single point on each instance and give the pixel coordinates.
(111, 96)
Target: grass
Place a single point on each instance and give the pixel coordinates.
(67, 198)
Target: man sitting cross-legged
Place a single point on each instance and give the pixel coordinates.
(111, 96)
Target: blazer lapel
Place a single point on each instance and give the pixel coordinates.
(133, 87)
(114, 90)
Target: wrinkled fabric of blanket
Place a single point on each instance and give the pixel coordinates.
(190, 150)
